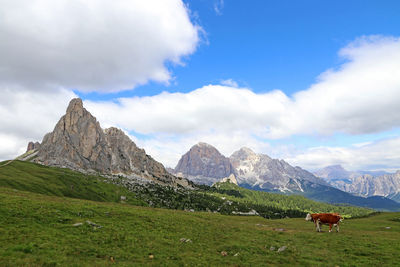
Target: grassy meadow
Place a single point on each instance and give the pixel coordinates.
(58, 217)
(38, 230)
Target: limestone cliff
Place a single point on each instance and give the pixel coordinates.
(79, 143)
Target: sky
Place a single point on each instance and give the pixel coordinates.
(315, 83)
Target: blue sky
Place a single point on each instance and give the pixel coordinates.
(268, 45)
(313, 82)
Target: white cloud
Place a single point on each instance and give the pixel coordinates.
(92, 45)
(213, 107)
(230, 82)
(27, 116)
(218, 6)
(380, 155)
(362, 96)
(11, 146)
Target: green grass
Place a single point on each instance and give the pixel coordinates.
(293, 202)
(37, 230)
(62, 182)
(36, 227)
(53, 181)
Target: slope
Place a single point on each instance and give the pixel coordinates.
(63, 182)
(292, 202)
(335, 196)
(37, 230)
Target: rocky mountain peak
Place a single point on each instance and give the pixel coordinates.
(202, 144)
(75, 105)
(334, 172)
(259, 170)
(203, 163)
(336, 167)
(79, 143)
(204, 148)
(243, 154)
(246, 151)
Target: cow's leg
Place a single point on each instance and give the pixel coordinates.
(330, 227)
(318, 226)
(337, 227)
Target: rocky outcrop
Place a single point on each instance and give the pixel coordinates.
(204, 164)
(230, 179)
(79, 143)
(259, 170)
(32, 146)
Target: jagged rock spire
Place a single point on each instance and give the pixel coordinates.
(78, 142)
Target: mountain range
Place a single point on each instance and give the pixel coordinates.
(79, 143)
(363, 183)
(337, 172)
(204, 164)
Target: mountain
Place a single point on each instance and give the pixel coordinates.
(79, 143)
(204, 164)
(387, 185)
(363, 183)
(337, 172)
(333, 172)
(262, 172)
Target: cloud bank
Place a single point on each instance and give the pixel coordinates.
(361, 96)
(383, 154)
(27, 115)
(92, 45)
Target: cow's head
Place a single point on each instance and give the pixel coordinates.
(308, 217)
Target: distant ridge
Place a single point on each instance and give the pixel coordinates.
(204, 164)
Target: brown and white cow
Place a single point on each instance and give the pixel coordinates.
(332, 219)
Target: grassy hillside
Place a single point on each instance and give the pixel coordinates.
(52, 181)
(64, 182)
(37, 230)
(294, 202)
